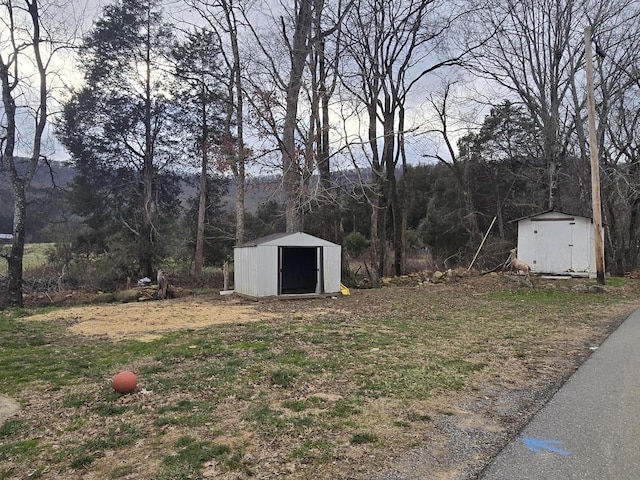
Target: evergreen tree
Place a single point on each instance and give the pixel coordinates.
(199, 114)
(508, 172)
(117, 126)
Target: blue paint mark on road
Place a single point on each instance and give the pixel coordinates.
(537, 445)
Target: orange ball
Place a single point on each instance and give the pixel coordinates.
(125, 382)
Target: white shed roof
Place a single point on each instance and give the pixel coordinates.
(294, 239)
(545, 212)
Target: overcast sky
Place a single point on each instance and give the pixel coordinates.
(83, 13)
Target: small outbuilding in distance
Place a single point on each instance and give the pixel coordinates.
(557, 243)
(287, 264)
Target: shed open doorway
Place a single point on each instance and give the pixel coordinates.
(299, 271)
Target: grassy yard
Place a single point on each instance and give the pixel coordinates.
(329, 388)
(35, 255)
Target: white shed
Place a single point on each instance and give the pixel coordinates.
(557, 243)
(287, 264)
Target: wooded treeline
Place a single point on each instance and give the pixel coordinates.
(406, 126)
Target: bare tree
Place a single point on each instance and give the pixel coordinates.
(392, 47)
(287, 66)
(537, 58)
(299, 49)
(460, 168)
(226, 18)
(324, 69)
(25, 45)
(275, 82)
(534, 56)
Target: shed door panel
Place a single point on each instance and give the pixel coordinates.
(554, 245)
(583, 247)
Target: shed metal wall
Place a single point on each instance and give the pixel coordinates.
(256, 270)
(557, 243)
(245, 269)
(267, 277)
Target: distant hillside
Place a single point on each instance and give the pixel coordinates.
(257, 191)
(46, 208)
(61, 174)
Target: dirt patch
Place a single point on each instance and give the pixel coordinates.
(7, 408)
(149, 320)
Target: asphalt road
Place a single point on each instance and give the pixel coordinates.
(590, 429)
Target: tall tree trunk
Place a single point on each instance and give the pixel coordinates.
(377, 255)
(240, 157)
(402, 251)
(392, 188)
(552, 165)
(291, 174)
(377, 192)
(202, 208)
(14, 260)
(145, 245)
(225, 23)
(234, 148)
(320, 110)
(202, 200)
(240, 194)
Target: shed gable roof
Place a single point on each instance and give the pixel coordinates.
(545, 212)
(289, 240)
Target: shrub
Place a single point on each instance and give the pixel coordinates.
(355, 244)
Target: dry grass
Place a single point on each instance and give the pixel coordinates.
(325, 388)
(35, 255)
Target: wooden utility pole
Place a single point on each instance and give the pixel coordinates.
(595, 164)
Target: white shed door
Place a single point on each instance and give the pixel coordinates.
(553, 246)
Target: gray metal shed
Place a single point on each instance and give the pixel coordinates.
(557, 243)
(287, 264)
